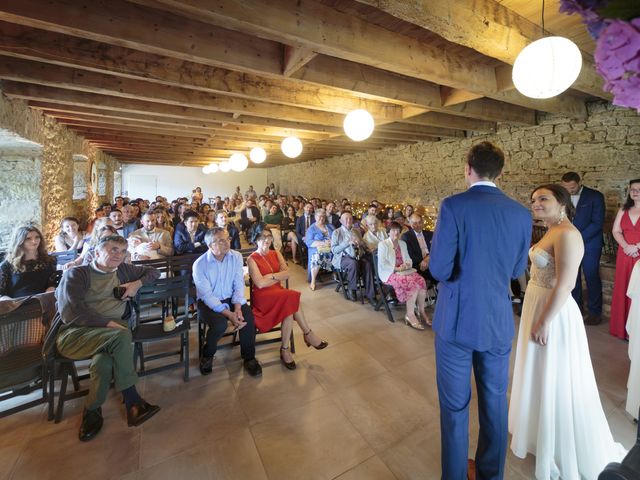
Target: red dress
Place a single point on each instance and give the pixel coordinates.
(271, 305)
(620, 303)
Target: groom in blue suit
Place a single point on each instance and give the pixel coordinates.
(480, 243)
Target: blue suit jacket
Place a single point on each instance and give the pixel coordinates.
(589, 218)
(480, 243)
(301, 227)
(182, 241)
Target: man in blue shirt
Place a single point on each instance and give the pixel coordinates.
(219, 281)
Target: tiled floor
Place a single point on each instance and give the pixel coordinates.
(364, 408)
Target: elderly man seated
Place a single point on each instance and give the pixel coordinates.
(150, 242)
(94, 315)
(219, 280)
(418, 243)
(351, 256)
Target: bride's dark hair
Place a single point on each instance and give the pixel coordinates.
(562, 195)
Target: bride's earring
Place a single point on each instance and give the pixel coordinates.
(561, 217)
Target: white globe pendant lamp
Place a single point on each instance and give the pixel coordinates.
(291, 147)
(224, 167)
(206, 170)
(213, 167)
(546, 67)
(238, 162)
(258, 155)
(358, 125)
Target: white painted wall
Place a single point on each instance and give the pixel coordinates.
(174, 182)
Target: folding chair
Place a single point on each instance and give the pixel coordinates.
(62, 258)
(22, 367)
(382, 288)
(165, 291)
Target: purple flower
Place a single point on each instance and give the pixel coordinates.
(580, 6)
(617, 59)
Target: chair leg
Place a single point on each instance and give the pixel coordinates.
(185, 354)
(74, 378)
(51, 372)
(64, 371)
(141, 354)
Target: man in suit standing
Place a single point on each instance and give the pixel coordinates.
(481, 242)
(418, 243)
(589, 219)
(304, 222)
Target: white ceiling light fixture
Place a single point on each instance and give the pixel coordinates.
(258, 155)
(206, 170)
(224, 167)
(547, 67)
(238, 162)
(291, 147)
(213, 167)
(358, 125)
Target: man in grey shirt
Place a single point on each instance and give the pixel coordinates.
(95, 325)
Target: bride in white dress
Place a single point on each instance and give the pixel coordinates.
(555, 411)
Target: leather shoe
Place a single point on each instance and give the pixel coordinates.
(289, 365)
(91, 424)
(592, 319)
(471, 470)
(252, 367)
(206, 365)
(140, 413)
(352, 295)
(372, 301)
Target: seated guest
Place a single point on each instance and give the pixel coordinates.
(89, 255)
(332, 217)
(163, 220)
(123, 229)
(350, 255)
(273, 221)
(189, 238)
(150, 242)
(118, 203)
(129, 219)
(90, 244)
(179, 214)
(106, 208)
(407, 212)
(95, 325)
(98, 213)
(249, 216)
(204, 209)
(238, 207)
(318, 241)
(70, 236)
(196, 195)
(399, 218)
(219, 280)
(289, 228)
(374, 234)
(304, 222)
(388, 217)
(210, 220)
(27, 268)
(418, 243)
(222, 221)
(394, 268)
(271, 303)
(371, 210)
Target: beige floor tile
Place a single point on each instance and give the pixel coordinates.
(395, 346)
(188, 419)
(371, 469)
(342, 365)
(229, 458)
(417, 455)
(421, 375)
(384, 409)
(314, 442)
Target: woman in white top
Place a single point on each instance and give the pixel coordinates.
(394, 268)
(374, 234)
(70, 237)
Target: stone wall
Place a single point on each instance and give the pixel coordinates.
(604, 149)
(56, 168)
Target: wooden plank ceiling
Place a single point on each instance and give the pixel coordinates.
(190, 82)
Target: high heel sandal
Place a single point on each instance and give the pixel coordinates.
(425, 318)
(320, 346)
(416, 325)
(289, 365)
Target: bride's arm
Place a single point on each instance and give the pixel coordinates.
(568, 250)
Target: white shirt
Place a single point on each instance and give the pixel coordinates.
(576, 198)
(483, 182)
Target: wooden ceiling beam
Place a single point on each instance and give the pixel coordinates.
(68, 78)
(325, 30)
(295, 58)
(486, 26)
(436, 119)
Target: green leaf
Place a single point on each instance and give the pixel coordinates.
(621, 9)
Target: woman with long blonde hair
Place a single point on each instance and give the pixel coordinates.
(27, 269)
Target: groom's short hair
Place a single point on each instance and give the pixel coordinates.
(486, 159)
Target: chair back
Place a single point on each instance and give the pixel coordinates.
(161, 264)
(183, 263)
(163, 290)
(62, 258)
(22, 332)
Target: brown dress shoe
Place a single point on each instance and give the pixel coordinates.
(471, 470)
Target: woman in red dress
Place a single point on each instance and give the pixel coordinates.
(271, 303)
(626, 231)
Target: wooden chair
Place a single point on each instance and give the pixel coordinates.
(382, 289)
(22, 367)
(165, 291)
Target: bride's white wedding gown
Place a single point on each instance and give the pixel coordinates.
(555, 411)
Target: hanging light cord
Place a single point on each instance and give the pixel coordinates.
(542, 18)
